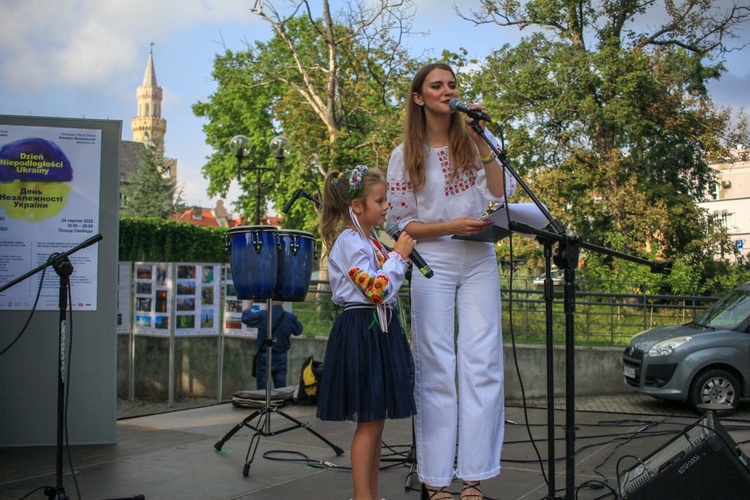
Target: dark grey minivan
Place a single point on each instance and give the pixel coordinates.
(706, 361)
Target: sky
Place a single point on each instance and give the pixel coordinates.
(86, 58)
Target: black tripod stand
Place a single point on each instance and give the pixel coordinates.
(263, 426)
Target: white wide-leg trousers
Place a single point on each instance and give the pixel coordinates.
(458, 382)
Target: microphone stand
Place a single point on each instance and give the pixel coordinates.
(565, 258)
(64, 268)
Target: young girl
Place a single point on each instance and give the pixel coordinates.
(368, 370)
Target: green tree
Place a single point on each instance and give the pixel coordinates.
(332, 85)
(612, 126)
(151, 192)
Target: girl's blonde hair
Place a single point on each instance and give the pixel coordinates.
(463, 152)
(339, 191)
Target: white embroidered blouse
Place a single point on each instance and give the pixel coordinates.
(441, 199)
(360, 273)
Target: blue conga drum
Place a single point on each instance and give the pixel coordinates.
(296, 252)
(253, 256)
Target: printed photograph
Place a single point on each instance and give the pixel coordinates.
(186, 303)
(161, 322)
(207, 295)
(142, 321)
(208, 274)
(143, 272)
(186, 288)
(207, 318)
(186, 272)
(160, 305)
(185, 321)
(143, 304)
(234, 306)
(161, 274)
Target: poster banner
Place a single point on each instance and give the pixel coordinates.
(49, 203)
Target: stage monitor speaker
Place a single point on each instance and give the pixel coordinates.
(702, 462)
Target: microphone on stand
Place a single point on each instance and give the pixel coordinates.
(414, 256)
(311, 198)
(457, 105)
(291, 201)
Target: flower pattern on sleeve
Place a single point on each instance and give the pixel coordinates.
(375, 289)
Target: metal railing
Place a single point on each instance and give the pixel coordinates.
(602, 319)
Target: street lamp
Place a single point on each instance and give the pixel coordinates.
(240, 147)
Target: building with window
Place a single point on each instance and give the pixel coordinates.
(730, 200)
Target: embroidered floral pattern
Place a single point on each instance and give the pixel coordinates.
(463, 180)
(396, 202)
(375, 289)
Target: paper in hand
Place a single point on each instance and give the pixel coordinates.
(526, 213)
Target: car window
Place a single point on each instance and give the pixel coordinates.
(729, 312)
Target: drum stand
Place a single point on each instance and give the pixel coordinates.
(263, 426)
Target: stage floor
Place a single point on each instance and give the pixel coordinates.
(172, 455)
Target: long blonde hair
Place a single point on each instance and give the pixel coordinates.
(337, 199)
(463, 152)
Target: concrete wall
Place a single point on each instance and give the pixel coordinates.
(598, 370)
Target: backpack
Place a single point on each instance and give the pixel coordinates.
(306, 392)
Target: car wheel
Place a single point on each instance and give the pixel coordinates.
(715, 386)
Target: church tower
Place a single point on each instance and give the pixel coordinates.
(149, 125)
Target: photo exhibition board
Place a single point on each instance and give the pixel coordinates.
(176, 298)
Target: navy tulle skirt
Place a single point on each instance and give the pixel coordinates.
(367, 374)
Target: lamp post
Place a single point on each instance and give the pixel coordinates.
(279, 148)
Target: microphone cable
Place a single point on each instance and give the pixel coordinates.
(31, 314)
(510, 320)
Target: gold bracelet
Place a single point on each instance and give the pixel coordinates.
(488, 158)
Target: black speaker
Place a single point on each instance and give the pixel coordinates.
(702, 462)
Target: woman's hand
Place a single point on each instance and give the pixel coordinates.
(468, 226)
(469, 120)
(404, 245)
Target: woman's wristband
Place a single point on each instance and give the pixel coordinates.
(488, 158)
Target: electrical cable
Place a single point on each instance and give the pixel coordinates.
(512, 330)
(31, 314)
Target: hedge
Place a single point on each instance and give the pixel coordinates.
(160, 240)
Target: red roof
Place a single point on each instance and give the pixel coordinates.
(199, 217)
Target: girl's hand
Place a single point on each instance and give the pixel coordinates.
(467, 226)
(404, 245)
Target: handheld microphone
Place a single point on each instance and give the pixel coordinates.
(457, 105)
(416, 259)
(291, 201)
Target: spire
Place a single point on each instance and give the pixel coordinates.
(149, 79)
(148, 125)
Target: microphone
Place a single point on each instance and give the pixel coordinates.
(291, 201)
(311, 198)
(416, 259)
(457, 105)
